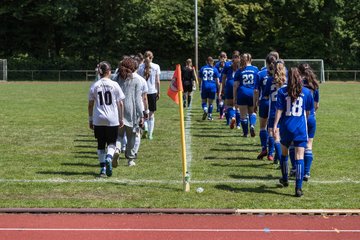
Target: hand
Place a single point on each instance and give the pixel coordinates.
(141, 122)
(91, 125)
(255, 109)
(157, 96)
(121, 123)
(146, 116)
(275, 131)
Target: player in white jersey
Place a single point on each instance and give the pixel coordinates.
(151, 73)
(106, 111)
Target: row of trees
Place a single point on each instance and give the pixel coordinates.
(68, 34)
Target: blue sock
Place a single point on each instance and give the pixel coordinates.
(284, 167)
(299, 173)
(263, 138)
(253, 119)
(230, 114)
(277, 150)
(292, 157)
(238, 120)
(308, 158)
(203, 106)
(245, 126)
(271, 144)
(211, 107)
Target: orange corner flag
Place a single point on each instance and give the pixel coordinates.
(175, 85)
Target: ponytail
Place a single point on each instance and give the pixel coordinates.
(148, 59)
(294, 84)
(309, 75)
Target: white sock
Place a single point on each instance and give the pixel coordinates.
(101, 155)
(151, 124)
(111, 150)
(137, 142)
(146, 125)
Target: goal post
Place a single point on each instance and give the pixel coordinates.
(3, 70)
(317, 66)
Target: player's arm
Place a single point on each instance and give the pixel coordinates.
(256, 99)
(236, 85)
(120, 105)
(276, 122)
(157, 83)
(90, 113)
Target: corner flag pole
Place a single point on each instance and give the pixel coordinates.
(186, 180)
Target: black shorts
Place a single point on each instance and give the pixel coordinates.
(188, 87)
(105, 134)
(152, 102)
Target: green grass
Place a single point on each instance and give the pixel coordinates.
(48, 156)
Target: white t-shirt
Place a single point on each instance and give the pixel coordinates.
(105, 93)
(154, 70)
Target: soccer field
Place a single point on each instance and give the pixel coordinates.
(48, 156)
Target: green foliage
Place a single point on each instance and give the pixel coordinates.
(88, 31)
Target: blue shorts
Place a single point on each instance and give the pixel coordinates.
(245, 99)
(264, 108)
(229, 89)
(208, 95)
(295, 143)
(311, 124)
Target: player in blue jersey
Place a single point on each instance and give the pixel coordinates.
(274, 83)
(209, 81)
(261, 103)
(244, 84)
(293, 104)
(310, 82)
(227, 86)
(220, 65)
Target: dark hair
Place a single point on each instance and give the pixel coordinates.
(271, 61)
(148, 58)
(126, 67)
(309, 75)
(295, 84)
(210, 61)
(103, 68)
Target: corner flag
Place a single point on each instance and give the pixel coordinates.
(175, 85)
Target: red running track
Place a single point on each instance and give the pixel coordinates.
(161, 227)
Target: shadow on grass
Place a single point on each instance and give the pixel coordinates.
(240, 165)
(233, 150)
(80, 164)
(261, 189)
(85, 152)
(68, 173)
(84, 140)
(267, 177)
(214, 136)
(85, 146)
(237, 145)
(228, 158)
(85, 157)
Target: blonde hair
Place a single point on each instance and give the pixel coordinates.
(280, 72)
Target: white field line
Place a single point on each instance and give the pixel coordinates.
(153, 181)
(265, 230)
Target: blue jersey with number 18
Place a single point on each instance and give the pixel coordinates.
(293, 119)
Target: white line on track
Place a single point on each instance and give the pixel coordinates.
(265, 230)
(153, 181)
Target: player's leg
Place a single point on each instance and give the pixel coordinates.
(244, 120)
(111, 134)
(299, 161)
(101, 144)
(130, 152)
(308, 159)
(284, 165)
